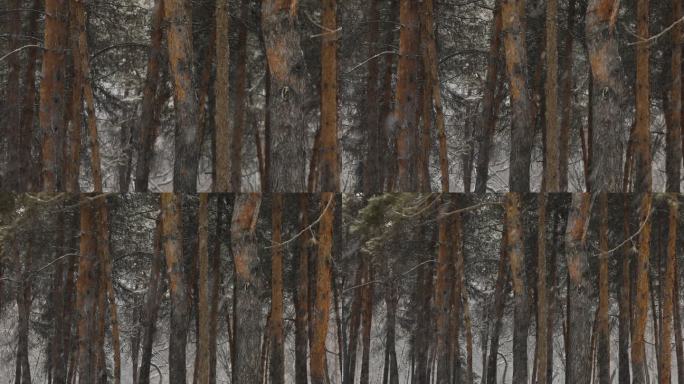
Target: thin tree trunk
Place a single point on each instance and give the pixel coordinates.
(516, 256)
(27, 170)
(203, 290)
(668, 293)
(302, 294)
(179, 36)
(640, 308)
(240, 101)
(86, 297)
(406, 105)
(171, 222)
(566, 99)
(366, 320)
(624, 303)
(151, 309)
(322, 298)
(579, 292)
(603, 326)
(222, 124)
(372, 172)
(500, 293)
(147, 124)
(215, 290)
(542, 301)
(328, 165)
(276, 329)
(552, 133)
(288, 78)
(679, 347)
(12, 119)
(247, 306)
(442, 293)
(354, 325)
(488, 121)
(673, 146)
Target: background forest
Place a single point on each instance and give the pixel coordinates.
(393, 288)
(372, 96)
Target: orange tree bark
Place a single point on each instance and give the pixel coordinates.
(146, 125)
(74, 114)
(52, 91)
(603, 326)
(179, 41)
(552, 160)
(488, 122)
(203, 290)
(516, 257)
(406, 104)
(579, 297)
(302, 294)
(86, 293)
(171, 222)
(665, 360)
(277, 347)
(289, 89)
(607, 94)
(321, 311)
(516, 67)
(329, 167)
(566, 100)
(246, 310)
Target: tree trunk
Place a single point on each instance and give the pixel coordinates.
(542, 301)
(288, 77)
(442, 294)
(516, 67)
(171, 222)
(203, 290)
(151, 309)
(603, 326)
(500, 294)
(215, 290)
(302, 294)
(640, 306)
(579, 292)
(673, 147)
(488, 122)
(354, 325)
(23, 297)
(146, 126)
(52, 91)
(322, 297)
(241, 100)
(86, 295)
(642, 138)
(277, 347)
(679, 348)
(607, 93)
(223, 128)
(179, 37)
(566, 100)
(624, 303)
(668, 293)
(27, 171)
(551, 178)
(247, 307)
(329, 167)
(12, 119)
(366, 319)
(516, 256)
(406, 104)
(372, 172)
